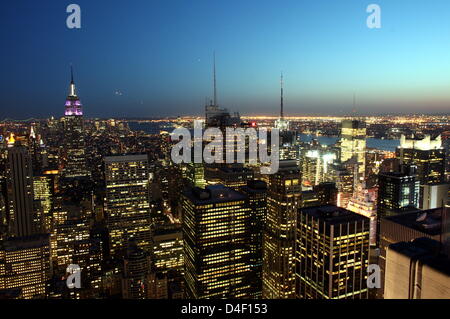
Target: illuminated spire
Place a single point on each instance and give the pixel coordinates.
(72, 91)
(73, 104)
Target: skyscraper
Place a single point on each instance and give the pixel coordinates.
(398, 192)
(332, 253)
(216, 116)
(353, 143)
(127, 202)
(364, 203)
(73, 153)
(217, 235)
(25, 265)
(20, 192)
(136, 273)
(282, 124)
(283, 201)
(288, 138)
(256, 192)
(427, 154)
(345, 184)
(167, 248)
(315, 166)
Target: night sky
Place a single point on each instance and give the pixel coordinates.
(145, 58)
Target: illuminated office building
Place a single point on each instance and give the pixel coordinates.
(25, 265)
(417, 270)
(194, 174)
(73, 153)
(167, 248)
(332, 253)
(72, 243)
(309, 199)
(127, 204)
(364, 203)
(43, 195)
(353, 143)
(345, 184)
(398, 192)
(315, 166)
(233, 176)
(283, 201)
(217, 235)
(63, 211)
(427, 154)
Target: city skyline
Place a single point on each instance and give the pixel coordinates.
(332, 62)
(237, 152)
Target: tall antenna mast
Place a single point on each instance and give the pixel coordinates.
(72, 84)
(71, 73)
(215, 81)
(281, 96)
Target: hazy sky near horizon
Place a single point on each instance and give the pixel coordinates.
(154, 58)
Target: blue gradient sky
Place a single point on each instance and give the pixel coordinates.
(159, 55)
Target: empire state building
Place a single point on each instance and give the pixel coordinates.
(73, 153)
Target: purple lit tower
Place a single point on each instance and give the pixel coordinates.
(73, 154)
(73, 104)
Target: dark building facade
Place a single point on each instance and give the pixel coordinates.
(283, 201)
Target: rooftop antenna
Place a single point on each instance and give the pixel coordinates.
(72, 84)
(215, 81)
(71, 73)
(281, 97)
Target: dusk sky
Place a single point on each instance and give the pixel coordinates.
(158, 54)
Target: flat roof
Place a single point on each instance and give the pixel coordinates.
(332, 214)
(426, 221)
(126, 158)
(213, 194)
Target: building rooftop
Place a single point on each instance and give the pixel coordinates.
(126, 158)
(213, 194)
(255, 186)
(29, 242)
(426, 221)
(334, 215)
(427, 250)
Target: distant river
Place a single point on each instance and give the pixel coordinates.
(385, 145)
